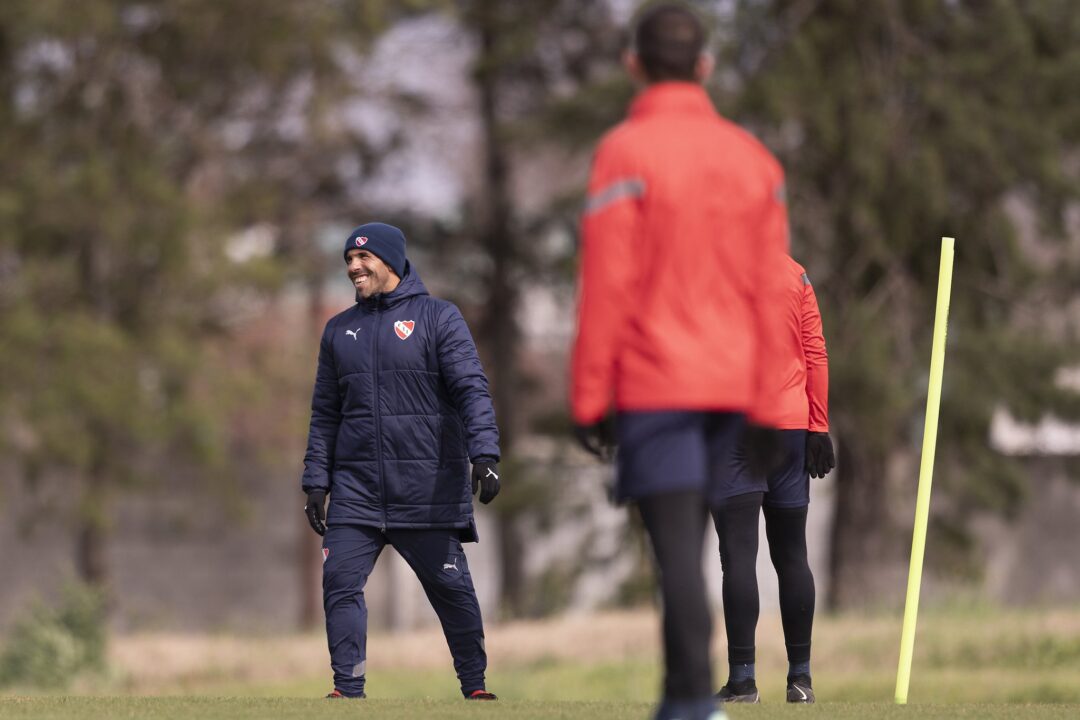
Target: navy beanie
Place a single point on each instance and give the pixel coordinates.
(382, 240)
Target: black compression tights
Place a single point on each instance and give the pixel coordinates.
(737, 527)
(786, 530)
(675, 523)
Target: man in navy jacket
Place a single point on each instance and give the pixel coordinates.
(400, 408)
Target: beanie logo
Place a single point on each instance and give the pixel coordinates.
(325, 554)
(361, 241)
(404, 328)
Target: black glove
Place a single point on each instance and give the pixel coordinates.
(764, 448)
(597, 438)
(485, 477)
(819, 454)
(314, 511)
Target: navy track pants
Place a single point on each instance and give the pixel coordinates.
(437, 558)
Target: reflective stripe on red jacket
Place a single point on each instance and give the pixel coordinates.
(683, 237)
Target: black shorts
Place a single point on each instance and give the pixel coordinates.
(786, 487)
(665, 451)
(789, 485)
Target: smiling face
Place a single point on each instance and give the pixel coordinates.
(368, 274)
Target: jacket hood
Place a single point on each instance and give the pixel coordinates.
(410, 286)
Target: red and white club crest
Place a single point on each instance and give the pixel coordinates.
(325, 554)
(361, 241)
(404, 328)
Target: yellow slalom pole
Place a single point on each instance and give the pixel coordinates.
(926, 470)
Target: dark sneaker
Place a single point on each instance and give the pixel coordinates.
(338, 695)
(481, 695)
(739, 692)
(799, 690)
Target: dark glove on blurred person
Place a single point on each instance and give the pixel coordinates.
(764, 448)
(819, 454)
(485, 477)
(314, 510)
(597, 438)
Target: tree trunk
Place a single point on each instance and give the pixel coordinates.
(91, 531)
(310, 575)
(866, 552)
(500, 334)
(309, 565)
(91, 564)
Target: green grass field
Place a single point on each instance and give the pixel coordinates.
(208, 708)
(969, 663)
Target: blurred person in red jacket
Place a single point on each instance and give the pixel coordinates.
(803, 403)
(684, 234)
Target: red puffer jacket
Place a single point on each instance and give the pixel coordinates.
(684, 236)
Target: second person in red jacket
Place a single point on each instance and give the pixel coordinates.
(802, 384)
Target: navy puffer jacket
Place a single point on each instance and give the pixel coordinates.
(400, 407)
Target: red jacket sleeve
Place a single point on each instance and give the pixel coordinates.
(817, 360)
(607, 272)
(768, 303)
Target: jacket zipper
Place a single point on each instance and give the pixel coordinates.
(375, 407)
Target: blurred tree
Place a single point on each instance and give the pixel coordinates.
(900, 122)
(123, 126)
(527, 54)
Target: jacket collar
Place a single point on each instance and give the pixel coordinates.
(410, 286)
(672, 97)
